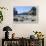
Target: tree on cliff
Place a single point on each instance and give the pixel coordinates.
(33, 10)
(15, 12)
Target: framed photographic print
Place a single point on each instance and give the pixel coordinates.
(25, 14)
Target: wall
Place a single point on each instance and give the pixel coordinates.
(24, 30)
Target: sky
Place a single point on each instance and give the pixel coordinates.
(22, 9)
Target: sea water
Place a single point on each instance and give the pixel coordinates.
(25, 18)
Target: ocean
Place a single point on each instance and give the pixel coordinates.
(25, 18)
